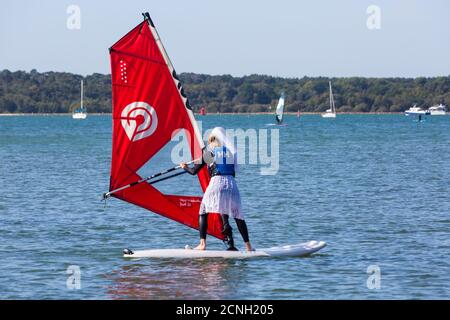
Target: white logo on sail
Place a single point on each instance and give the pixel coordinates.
(139, 120)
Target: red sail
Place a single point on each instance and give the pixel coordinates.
(148, 106)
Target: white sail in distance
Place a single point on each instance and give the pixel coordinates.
(280, 108)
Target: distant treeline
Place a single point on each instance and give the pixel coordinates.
(59, 92)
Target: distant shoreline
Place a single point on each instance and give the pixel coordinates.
(213, 114)
(57, 92)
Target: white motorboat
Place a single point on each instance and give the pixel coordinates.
(416, 111)
(438, 110)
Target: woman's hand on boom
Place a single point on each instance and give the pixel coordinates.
(183, 165)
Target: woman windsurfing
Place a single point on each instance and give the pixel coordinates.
(222, 195)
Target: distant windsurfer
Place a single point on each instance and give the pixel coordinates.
(279, 121)
(222, 195)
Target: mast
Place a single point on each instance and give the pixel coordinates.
(169, 64)
(81, 99)
(332, 106)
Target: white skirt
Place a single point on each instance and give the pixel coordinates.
(222, 196)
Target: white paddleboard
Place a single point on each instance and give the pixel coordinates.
(295, 250)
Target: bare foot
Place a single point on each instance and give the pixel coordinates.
(249, 247)
(201, 246)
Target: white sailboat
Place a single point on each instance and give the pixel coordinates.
(279, 110)
(330, 113)
(80, 113)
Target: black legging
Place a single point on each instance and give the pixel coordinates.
(203, 226)
(242, 227)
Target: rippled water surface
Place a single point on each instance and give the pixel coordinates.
(375, 188)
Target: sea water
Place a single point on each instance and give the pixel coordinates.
(374, 187)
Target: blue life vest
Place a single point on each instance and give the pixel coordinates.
(224, 161)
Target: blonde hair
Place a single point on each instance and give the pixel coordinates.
(213, 141)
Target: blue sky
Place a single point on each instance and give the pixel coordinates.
(237, 37)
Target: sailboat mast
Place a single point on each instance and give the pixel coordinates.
(81, 95)
(332, 106)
